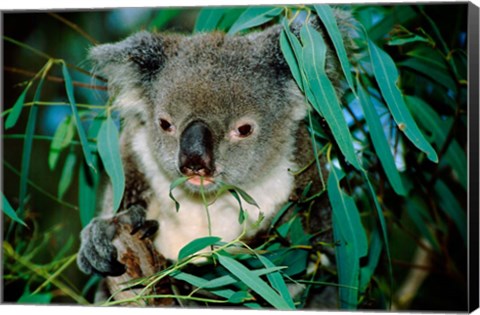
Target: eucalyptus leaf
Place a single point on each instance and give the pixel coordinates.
(277, 282)
(386, 75)
(67, 174)
(418, 212)
(81, 132)
(326, 100)
(327, 16)
(380, 142)
(400, 41)
(28, 142)
(429, 119)
(393, 15)
(197, 245)
(10, 212)
(291, 59)
(109, 151)
(17, 108)
(429, 69)
(88, 182)
(61, 139)
(39, 298)
(367, 271)
(254, 282)
(203, 283)
(177, 182)
(254, 16)
(293, 48)
(452, 208)
(208, 19)
(240, 297)
(351, 239)
(164, 16)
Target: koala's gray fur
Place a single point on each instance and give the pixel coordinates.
(164, 83)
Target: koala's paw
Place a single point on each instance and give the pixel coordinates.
(97, 253)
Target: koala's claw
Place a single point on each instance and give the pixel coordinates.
(97, 253)
(149, 228)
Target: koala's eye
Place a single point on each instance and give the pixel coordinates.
(166, 125)
(244, 130)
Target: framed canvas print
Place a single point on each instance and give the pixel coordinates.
(300, 156)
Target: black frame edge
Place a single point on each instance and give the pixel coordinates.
(473, 114)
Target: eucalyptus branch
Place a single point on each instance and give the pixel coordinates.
(55, 79)
(75, 27)
(41, 190)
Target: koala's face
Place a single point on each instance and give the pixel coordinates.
(217, 109)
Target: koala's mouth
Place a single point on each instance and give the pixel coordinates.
(200, 180)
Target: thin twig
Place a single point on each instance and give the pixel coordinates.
(46, 193)
(55, 79)
(75, 27)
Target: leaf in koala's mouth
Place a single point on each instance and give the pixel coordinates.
(173, 185)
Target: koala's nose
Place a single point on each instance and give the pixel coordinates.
(196, 150)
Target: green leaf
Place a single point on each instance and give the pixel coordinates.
(386, 75)
(296, 261)
(325, 97)
(367, 271)
(61, 139)
(449, 204)
(109, 151)
(399, 41)
(293, 52)
(8, 210)
(87, 192)
(394, 15)
(202, 283)
(237, 193)
(241, 215)
(254, 16)
(418, 212)
(280, 213)
(383, 226)
(432, 71)
(328, 19)
(291, 58)
(229, 18)
(67, 174)
(81, 133)
(17, 108)
(228, 279)
(197, 245)
(277, 281)
(380, 142)
(28, 142)
(214, 285)
(240, 297)
(179, 181)
(429, 119)
(208, 19)
(254, 282)
(350, 237)
(39, 298)
(163, 16)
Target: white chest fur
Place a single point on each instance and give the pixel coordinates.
(191, 221)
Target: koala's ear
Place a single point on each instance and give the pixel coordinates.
(131, 64)
(268, 49)
(141, 56)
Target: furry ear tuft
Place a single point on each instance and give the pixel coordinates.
(131, 65)
(143, 52)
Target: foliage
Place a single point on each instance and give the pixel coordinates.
(394, 145)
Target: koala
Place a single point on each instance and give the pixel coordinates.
(216, 109)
